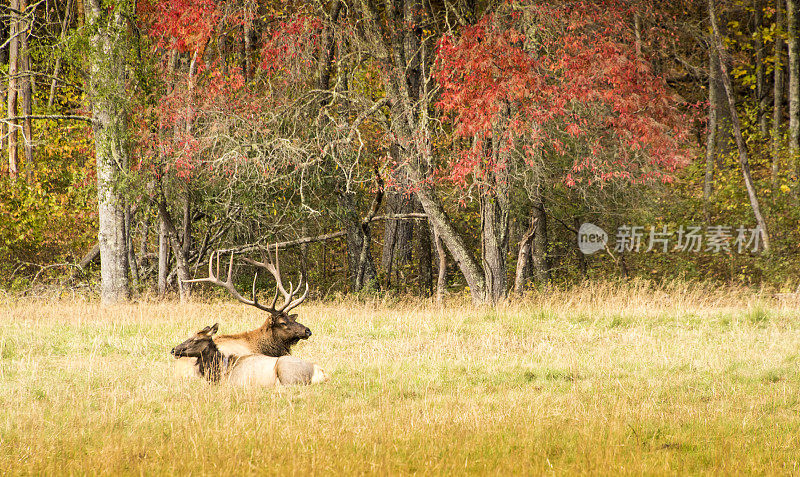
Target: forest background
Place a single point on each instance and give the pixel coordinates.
(416, 146)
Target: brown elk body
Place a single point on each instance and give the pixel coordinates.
(275, 337)
(249, 370)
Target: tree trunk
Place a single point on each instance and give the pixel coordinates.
(145, 234)
(777, 93)
(134, 267)
(524, 257)
(737, 130)
(361, 266)
(222, 47)
(186, 232)
(111, 235)
(415, 54)
(623, 266)
(367, 276)
(424, 258)
(4, 36)
(761, 94)
(495, 211)
(163, 256)
(13, 88)
(248, 45)
(328, 50)
(494, 240)
(26, 91)
(441, 269)
(80, 11)
(181, 263)
(398, 235)
(398, 251)
(360, 263)
(389, 241)
(243, 50)
(106, 88)
(541, 243)
(185, 237)
(404, 248)
(90, 256)
(794, 81)
(57, 68)
(453, 241)
(304, 251)
(582, 265)
(412, 15)
(143, 238)
(711, 132)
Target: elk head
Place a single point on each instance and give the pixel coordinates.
(196, 345)
(201, 346)
(286, 329)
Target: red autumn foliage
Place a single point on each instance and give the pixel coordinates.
(180, 132)
(184, 25)
(191, 115)
(572, 87)
(289, 44)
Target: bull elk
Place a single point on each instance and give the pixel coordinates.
(280, 330)
(249, 370)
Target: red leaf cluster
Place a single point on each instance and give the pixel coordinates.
(290, 42)
(570, 86)
(184, 25)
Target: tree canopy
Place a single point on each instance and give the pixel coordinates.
(385, 144)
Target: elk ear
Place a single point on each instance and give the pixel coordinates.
(209, 330)
(293, 317)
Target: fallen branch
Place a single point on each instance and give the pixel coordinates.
(90, 256)
(320, 238)
(47, 116)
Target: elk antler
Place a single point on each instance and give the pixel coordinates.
(275, 270)
(288, 303)
(228, 284)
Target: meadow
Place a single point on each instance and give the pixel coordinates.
(600, 379)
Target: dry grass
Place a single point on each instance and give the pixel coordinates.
(608, 379)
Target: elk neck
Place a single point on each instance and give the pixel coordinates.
(268, 345)
(213, 364)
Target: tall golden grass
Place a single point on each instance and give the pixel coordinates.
(605, 378)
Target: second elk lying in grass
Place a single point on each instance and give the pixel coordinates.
(280, 330)
(249, 370)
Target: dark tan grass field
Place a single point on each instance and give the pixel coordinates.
(602, 379)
